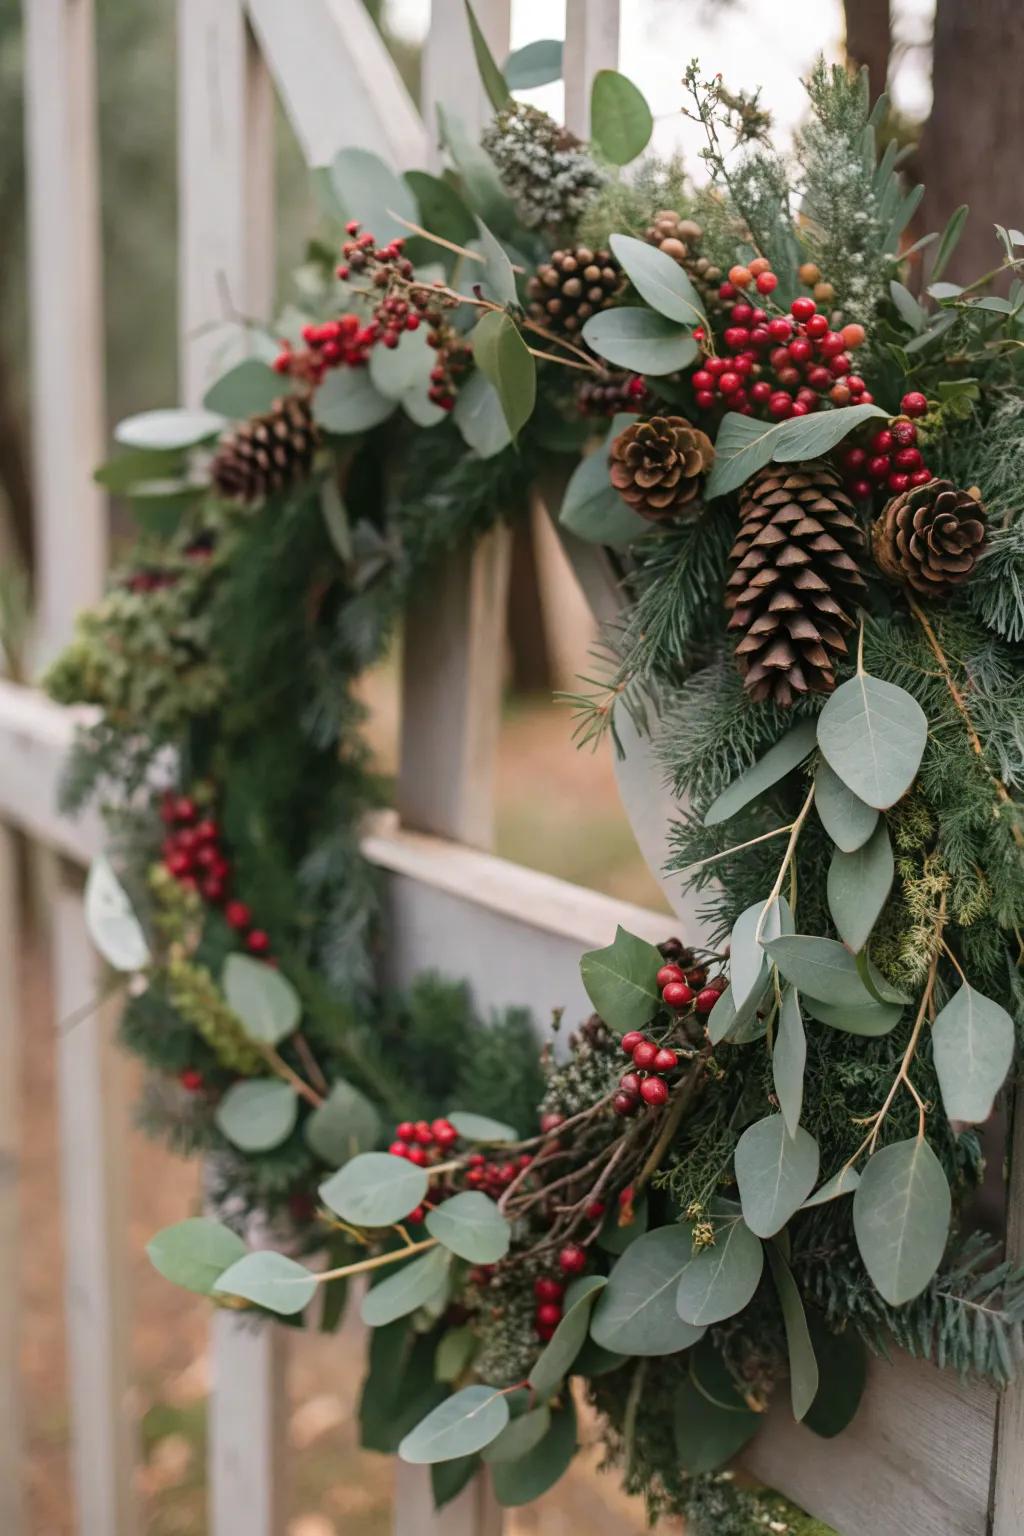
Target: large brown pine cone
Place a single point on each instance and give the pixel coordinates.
(267, 453)
(659, 465)
(571, 286)
(795, 581)
(929, 537)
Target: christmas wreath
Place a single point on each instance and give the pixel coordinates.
(800, 447)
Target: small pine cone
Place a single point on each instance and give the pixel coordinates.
(614, 393)
(267, 453)
(681, 239)
(566, 290)
(658, 466)
(929, 537)
(795, 580)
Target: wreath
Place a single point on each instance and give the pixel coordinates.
(799, 447)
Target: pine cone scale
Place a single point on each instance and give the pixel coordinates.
(267, 453)
(929, 537)
(658, 466)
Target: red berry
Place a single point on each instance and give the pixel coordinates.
(800, 349)
(677, 994)
(802, 309)
(898, 483)
(645, 1052)
(572, 1260)
(702, 379)
(780, 329)
(213, 889)
(207, 831)
(595, 1210)
(759, 336)
(416, 1216)
(624, 1103)
(839, 365)
(257, 941)
(882, 441)
(405, 1130)
(551, 1119)
(424, 1134)
(729, 383)
(819, 377)
(179, 864)
(816, 327)
(726, 291)
(860, 489)
(630, 1040)
(654, 1091)
(780, 406)
(904, 433)
(716, 365)
(921, 476)
(908, 458)
(707, 999)
(704, 399)
(760, 391)
(736, 337)
(549, 1314)
(185, 808)
(629, 1082)
(544, 1333)
(831, 344)
(418, 1156)
(548, 1289)
(398, 1149)
(445, 1133)
(191, 1080)
(666, 1060)
(878, 467)
(767, 282)
(669, 973)
(800, 408)
(788, 376)
(741, 314)
(914, 404)
(855, 384)
(237, 914)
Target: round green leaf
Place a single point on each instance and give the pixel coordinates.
(503, 357)
(463, 1424)
(972, 1046)
(257, 1113)
(636, 1313)
(621, 981)
(536, 63)
(745, 445)
(592, 508)
(345, 1124)
(789, 1058)
(266, 1003)
(520, 1435)
(110, 920)
(842, 1183)
(347, 402)
(871, 1018)
(660, 281)
(775, 1173)
(375, 1189)
(455, 1350)
(873, 736)
(706, 1435)
(858, 886)
(471, 1225)
(847, 820)
(721, 1278)
(565, 1343)
(901, 1211)
(370, 191)
(641, 340)
(803, 1364)
(168, 429)
(398, 372)
(531, 1475)
(779, 760)
(248, 389)
(414, 1285)
(480, 417)
(270, 1280)
(820, 968)
(620, 119)
(195, 1253)
(843, 1370)
(481, 1127)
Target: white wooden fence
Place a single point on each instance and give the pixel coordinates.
(921, 1454)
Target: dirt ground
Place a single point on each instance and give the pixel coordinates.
(574, 828)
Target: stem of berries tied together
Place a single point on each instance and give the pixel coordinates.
(891, 461)
(194, 855)
(402, 305)
(691, 997)
(784, 364)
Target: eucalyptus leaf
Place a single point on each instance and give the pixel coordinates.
(738, 1026)
(494, 82)
(621, 981)
(636, 1313)
(519, 1436)
(775, 1173)
(804, 1378)
(481, 1127)
(901, 1211)
(620, 119)
(873, 736)
(592, 508)
(449, 1478)
(537, 63)
(347, 402)
(820, 968)
(265, 1002)
(779, 760)
(410, 1287)
(111, 921)
(949, 241)
(165, 430)
(463, 1424)
(497, 279)
(531, 1475)
(660, 281)
(470, 1225)
(789, 1059)
(640, 339)
(744, 445)
(858, 886)
(842, 1183)
(248, 389)
(722, 1276)
(481, 184)
(505, 360)
(748, 963)
(344, 1125)
(194, 1253)
(375, 1189)
(868, 1018)
(370, 191)
(843, 1368)
(480, 416)
(846, 819)
(455, 1350)
(907, 307)
(706, 1435)
(972, 1047)
(270, 1280)
(558, 1355)
(442, 210)
(257, 1113)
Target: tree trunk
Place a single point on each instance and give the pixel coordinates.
(970, 150)
(869, 39)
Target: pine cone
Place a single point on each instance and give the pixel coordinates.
(267, 453)
(681, 239)
(929, 537)
(573, 285)
(658, 466)
(795, 580)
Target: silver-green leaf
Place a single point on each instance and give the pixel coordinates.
(873, 736)
(265, 1002)
(636, 1313)
(869, 1018)
(842, 1183)
(481, 1127)
(505, 360)
(749, 966)
(257, 1113)
(460, 1426)
(846, 819)
(344, 1125)
(820, 968)
(804, 1379)
(744, 445)
(194, 1253)
(858, 886)
(775, 1173)
(620, 981)
(470, 1225)
(640, 339)
(721, 1277)
(659, 280)
(271, 1280)
(567, 1340)
(413, 1286)
(111, 921)
(620, 119)
(972, 1046)
(375, 1189)
(779, 760)
(789, 1058)
(901, 1211)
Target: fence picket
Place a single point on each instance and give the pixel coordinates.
(591, 43)
(11, 1496)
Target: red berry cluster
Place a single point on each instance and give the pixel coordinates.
(612, 393)
(807, 358)
(426, 1142)
(647, 1084)
(891, 462)
(548, 1293)
(193, 854)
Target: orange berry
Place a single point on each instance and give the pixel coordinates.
(824, 293)
(758, 265)
(740, 277)
(853, 334)
(809, 274)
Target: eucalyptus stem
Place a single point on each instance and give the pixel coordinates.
(377, 1262)
(794, 838)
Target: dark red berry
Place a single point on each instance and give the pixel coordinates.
(237, 914)
(418, 1156)
(179, 864)
(630, 1082)
(549, 1314)
(417, 1215)
(630, 1040)
(904, 433)
(802, 309)
(707, 999)
(677, 994)
(914, 404)
(669, 973)
(546, 1288)
(398, 1149)
(405, 1130)
(654, 1091)
(666, 1060)
(572, 1260)
(882, 442)
(595, 1210)
(625, 1103)
(645, 1052)
(257, 941)
(191, 1080)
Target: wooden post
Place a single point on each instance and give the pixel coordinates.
(66, 313)
(1007, 1511)
(591, 43)
(11, 1493)
(247, 1417)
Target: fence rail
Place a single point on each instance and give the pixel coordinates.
(923, 1448)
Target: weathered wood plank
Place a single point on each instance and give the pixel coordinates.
(247, 1427)
(1007, 1512)
(591, 43)
(66, 313)
(35, 736)
(92, 1108)
(12, 1512)
(339, 85)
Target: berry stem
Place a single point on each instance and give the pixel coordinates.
(739, 848)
